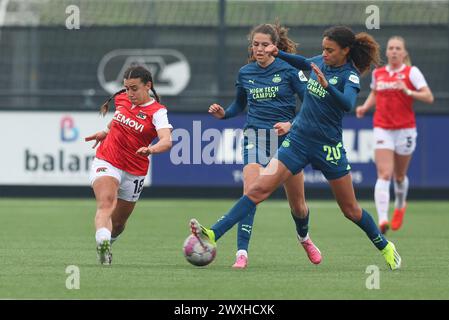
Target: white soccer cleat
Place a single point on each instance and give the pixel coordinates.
(104, 252)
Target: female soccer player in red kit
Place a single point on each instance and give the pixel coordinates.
(394, 87)
(121, 162)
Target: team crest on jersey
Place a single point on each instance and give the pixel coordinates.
(102, 169)
(400, 76)
(286, 143)
(141, 115)
(333, 81)
(276, 78)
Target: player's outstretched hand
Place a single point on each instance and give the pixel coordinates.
(217, 111)
(320, 75)
(282, 128)
(360, 111)
(144, 151)
(99, 136)
(272, 49)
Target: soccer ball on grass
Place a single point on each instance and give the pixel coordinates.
(199, 253)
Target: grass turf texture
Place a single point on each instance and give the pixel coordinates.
(40, 238)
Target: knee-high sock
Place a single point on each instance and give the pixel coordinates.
(244, 231)
(400, 193)
(382, 199)
(367, 224)
(239, 211)
(302, 225)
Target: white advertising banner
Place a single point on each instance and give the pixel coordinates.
(48, 148)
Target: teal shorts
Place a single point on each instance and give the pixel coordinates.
(260, 145)
(297, 152)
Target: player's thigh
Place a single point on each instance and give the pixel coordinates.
(271, 177)
(401, 164)
(122, 211)
(250, 173)
(105, 188)
(384, 159)
(343, 191)
(294, 189)
(384, 146)
(105, 180)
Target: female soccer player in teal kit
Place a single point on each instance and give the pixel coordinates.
(316, 135)
(267, 85)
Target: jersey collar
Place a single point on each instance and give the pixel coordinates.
(389, 70)
(144, 105)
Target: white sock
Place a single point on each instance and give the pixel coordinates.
(301, 239)
(242, 252)
(400, 193)
(102, 234)
(382, 199)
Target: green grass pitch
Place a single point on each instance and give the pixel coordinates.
(41, 238)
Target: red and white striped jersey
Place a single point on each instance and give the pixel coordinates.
(132, 127)
(394, 109)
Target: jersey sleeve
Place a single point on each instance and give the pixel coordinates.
(353, 80)
(296, 60)
(298, 82)
(417, 78)
(373, 81)
(239, 103)
(160, 120)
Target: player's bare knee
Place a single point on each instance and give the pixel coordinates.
(258, 193)
(300, 210)
(106, 203)
(352, 211)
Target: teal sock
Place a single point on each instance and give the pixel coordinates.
(244, 231)
(239, 211)
(302, 224)
(367, 224)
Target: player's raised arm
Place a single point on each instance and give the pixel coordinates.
(164, 143)
(296, 60)
(367, 105)
(98, 137)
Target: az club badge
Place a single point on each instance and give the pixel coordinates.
(141, 115)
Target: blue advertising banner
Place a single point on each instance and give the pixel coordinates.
(207, 152)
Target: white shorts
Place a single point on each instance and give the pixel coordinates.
(130, 186)
(401, 141)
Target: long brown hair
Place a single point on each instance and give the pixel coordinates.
(278, 35)
(363, 48)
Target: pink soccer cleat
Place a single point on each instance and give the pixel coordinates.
(241, 262)
(312, 251)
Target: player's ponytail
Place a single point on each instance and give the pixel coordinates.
(363, 49)
(278, 35)
(105, 106)
(284, 43)
(365, 52)
(156, 96)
